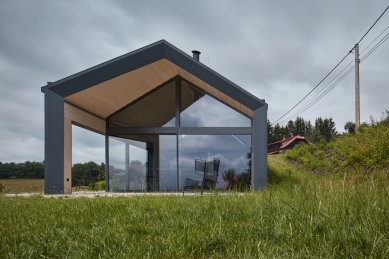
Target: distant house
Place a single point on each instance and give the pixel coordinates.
(284, 144)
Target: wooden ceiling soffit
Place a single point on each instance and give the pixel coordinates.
(106, 98)
(110, 96)
(84, 119)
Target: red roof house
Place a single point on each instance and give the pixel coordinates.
(284, 144)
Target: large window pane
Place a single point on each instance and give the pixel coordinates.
(232, 151)
(198, 109)
(154, 110)
(143, 163)
(167, 163)
(128, 165)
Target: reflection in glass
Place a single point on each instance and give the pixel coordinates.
(143, 163)
(232, 150)
(155, 110)
(167, 170)
(198, 109)
(128, 165)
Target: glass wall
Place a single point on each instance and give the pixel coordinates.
(163, 162)
(128, 165)
(157, 109)
(233, 151)
(167, 168)
(143, 163)
(198, 109)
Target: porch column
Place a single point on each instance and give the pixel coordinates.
(54, 143)
(259, 149)
(67, 156)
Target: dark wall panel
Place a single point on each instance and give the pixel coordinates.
(259, 149)
(54, 142)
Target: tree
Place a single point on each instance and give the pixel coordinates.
(277, 133)
(80, 173)
(299, 127)
(350, 127)
(326, 128)
(291, 129)
(270, 132)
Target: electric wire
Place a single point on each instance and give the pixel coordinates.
(376, 46)
(372, 25)
(333, 68)
(313, 88)
(310, 103)
(374, 40)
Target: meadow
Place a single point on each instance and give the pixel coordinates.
(23, 185)
(299, 215)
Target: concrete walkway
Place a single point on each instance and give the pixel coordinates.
(94, 194)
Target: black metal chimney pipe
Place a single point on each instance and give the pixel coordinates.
(196, 55)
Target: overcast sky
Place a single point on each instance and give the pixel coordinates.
(277, 50)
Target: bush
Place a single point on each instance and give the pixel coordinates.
(367, 148)
(100, 186)
(2, 189)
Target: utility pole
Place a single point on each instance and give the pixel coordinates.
(357, 99)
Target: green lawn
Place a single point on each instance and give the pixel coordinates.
(300, 215)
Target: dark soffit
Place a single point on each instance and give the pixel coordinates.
(145, 56)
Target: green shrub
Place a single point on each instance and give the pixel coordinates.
(367, 148)
(2, 189)
(100, 186)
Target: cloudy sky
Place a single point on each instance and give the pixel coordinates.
(277, 50)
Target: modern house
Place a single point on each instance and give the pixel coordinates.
(159, 110)
(283, 145)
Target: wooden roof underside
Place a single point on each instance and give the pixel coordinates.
(110, 96)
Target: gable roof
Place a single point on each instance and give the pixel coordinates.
(161, 50)
(288, 141)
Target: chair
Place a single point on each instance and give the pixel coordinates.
(210, 175)
(208, 170)
(190, 184)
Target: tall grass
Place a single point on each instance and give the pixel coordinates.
(367, 150)
(298, 216)
(23, 185)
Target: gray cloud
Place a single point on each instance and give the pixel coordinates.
(277, 50)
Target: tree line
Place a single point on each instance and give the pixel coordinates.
(35, 170)
(313, 132)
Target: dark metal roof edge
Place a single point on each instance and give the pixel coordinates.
(168, 51)
(106, 63)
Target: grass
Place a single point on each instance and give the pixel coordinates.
(365, 151)
(300, 215)
(23, 185)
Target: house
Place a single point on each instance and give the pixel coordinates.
(284, 144)
(159, 110)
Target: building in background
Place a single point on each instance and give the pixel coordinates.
(283, 145)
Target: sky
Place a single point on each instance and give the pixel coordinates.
(276, 50)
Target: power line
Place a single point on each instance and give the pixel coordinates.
(375, 47)
(372, 25)
(313, 88)
(373, 41)
(308, 105)
(333, 68)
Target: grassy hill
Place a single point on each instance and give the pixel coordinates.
(323, 201)
(364, 152)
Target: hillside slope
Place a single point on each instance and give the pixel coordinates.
(366, 151)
